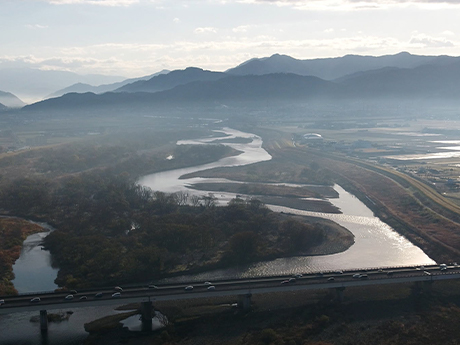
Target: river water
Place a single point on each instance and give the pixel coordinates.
(376, 245)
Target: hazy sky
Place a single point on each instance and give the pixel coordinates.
(139, 37)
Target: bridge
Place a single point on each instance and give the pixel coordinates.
(244, 288)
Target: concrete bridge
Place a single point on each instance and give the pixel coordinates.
(244, 288)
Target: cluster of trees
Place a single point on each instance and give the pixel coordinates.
(111, 230)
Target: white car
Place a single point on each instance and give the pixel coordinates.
(116, 294)
(189, 288)
(68, 297)
(211, 288)
(2, 301)
(35, 300)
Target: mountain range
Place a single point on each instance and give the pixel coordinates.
(400, 76)
(334, 68)
(83, 88)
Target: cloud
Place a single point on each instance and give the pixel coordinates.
(176, 20)
(94, 2)
(36, 26)
(353, 4)
(424, 41)
(242, 28)
(205, 30)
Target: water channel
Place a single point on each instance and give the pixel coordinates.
(376, 245)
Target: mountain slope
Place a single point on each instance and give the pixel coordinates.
(83, 88)
(11, 101)
(427, 81)
(333, 68)
(171, 79)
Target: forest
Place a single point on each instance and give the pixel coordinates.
(111, 230)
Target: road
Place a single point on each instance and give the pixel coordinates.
(135, 294)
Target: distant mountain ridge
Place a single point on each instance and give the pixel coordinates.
(172, 79)
(9, 100)
(28, 83)
(83, 88)
(334, 68)
(438, 79)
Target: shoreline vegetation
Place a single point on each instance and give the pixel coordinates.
(101, 213)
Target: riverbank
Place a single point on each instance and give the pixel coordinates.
(13, 232)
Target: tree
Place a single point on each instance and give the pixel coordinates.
(244, 246)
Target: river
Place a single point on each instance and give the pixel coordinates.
(376, 245)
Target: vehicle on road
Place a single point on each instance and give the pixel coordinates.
(189, 288)
(68, 297)
(285, 282)
(331, 279)
(153, 287)
(98, 295)
(211, 288)
(116, 294)
(2, 301)
(117, 288)
(35, 300)
(207, 283)
(83, 298)
(356, 276)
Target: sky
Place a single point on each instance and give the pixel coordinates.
(133, 38)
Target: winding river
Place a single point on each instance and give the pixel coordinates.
(376, 245)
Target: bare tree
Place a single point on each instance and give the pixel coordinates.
(195, 200)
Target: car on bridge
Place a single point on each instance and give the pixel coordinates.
(211, 288)
(2, 301)
(68, 297)
(189, 288)
(98, 295)
(35, 300)
(116, 294)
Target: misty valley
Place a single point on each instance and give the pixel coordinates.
(275, 169)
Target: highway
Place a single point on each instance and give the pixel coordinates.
(133, 294)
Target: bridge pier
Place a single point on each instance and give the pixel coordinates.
(43, 321)
(339, 293)
(244, 302)
(147, 313)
